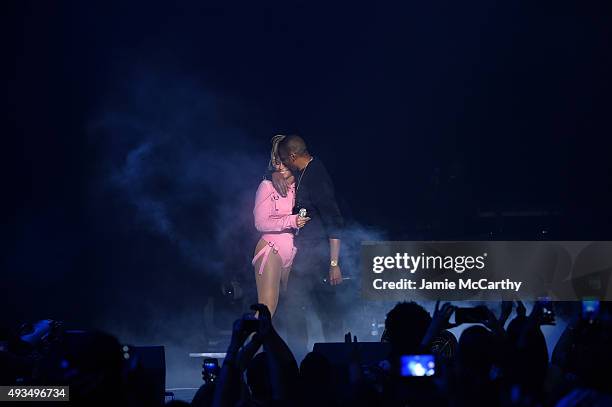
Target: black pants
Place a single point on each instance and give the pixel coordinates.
(308, 292)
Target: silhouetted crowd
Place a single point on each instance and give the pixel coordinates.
(497, 361)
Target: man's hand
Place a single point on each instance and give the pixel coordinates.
(335, 275)
(280, 183)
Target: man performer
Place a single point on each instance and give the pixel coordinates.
(316, 271)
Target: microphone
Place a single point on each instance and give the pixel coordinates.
(301, 214)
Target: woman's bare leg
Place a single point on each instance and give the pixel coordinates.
(268, 283)
(284, 278)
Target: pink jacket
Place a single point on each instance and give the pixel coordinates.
(272, 212)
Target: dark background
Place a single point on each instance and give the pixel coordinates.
(426, 114)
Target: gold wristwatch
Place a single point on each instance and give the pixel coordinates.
(333, 263)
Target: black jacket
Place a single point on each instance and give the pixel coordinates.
(315, 193)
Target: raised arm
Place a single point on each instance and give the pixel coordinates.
(227, 389)
(282, 366)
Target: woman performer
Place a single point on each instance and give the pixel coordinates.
(274, 252)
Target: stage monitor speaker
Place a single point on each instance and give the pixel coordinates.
(151, 371)
(339, 356)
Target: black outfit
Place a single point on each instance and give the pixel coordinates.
(315, 193)
(306, 288)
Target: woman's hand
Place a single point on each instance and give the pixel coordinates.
(302, 221)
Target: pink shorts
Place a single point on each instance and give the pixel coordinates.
(281, 243)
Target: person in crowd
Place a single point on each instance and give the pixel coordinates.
(316, 373)
(490, 366)
(281, 365)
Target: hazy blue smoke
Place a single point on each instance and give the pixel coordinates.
(174, 154)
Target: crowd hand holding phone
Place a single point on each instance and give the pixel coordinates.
(210, 370)
(242, 328)
(280, 183)
(264, 326)
(283, 369)
(480, 314)
(590, 310)
(491, 322)
(540, 315)
(439, 321)
(543, 313)
(417, 365)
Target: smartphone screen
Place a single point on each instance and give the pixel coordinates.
(548, 313)
(590, 309)
(417, 365)
(210, 369)
(546, 304)
(210, 365)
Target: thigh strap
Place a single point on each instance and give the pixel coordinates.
(265, 252)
